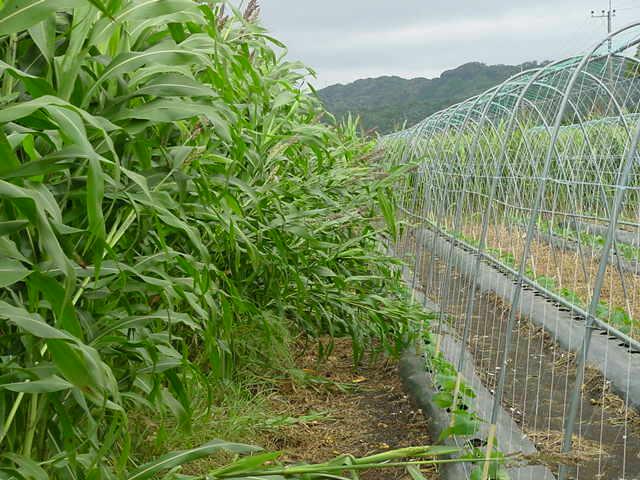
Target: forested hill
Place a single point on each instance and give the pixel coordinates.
(385, 103)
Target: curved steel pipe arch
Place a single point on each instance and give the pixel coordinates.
(560, 141)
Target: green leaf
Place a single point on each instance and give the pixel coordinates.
(31, 323)
(26, 466)
(18, 15)
(476, 474)
(136, 12)
(247, 464)
(463, 424)
(166, 54)
(45, 385)
(10, 160)
(443, 399)
(175, 459)
(23, 109)
(53, 292)
(12, 226)
(67, 67)
(61, 160)
(44, 36)
(38, 218)
(8, 249)
(388, 212)
(284, 98)
(169, 110)
(415, 473)
(81, 365)
(439, 450)
(71, 123)
(11, 271)
(325, 272)
(496, 472)
(173, 85)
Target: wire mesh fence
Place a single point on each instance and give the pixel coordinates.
(522, 223)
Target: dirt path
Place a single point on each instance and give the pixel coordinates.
(372, 414)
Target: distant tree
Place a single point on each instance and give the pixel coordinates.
(385, 102)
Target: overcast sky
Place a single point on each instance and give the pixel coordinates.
(344, 40)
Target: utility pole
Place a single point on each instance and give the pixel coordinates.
(608, 14)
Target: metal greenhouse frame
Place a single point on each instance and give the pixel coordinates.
(522, 223)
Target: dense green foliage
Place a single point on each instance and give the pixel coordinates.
(171, 213)
(387, 103)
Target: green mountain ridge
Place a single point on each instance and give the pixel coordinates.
(385, 103)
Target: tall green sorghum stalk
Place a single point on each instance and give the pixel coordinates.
(171, 212)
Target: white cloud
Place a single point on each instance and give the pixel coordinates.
(350, 39)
